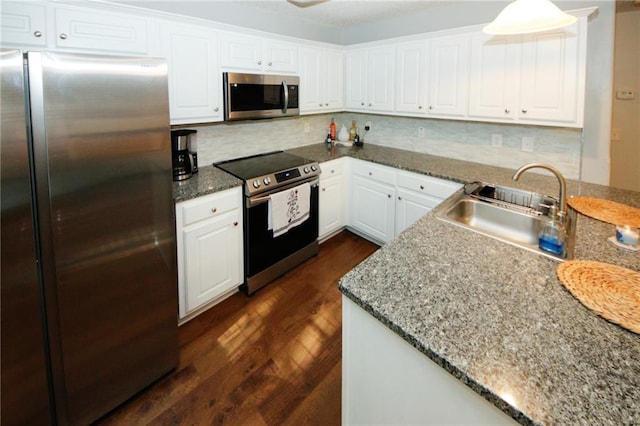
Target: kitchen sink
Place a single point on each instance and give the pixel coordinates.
(516, 223)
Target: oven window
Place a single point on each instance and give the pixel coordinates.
(263, 250)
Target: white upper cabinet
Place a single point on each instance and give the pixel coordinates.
(369, 79)
(88, 29)
(355, 64)
(448, 75)
(412, 77)
(194, 73)
(23, 24)
(321, 79)
(552, 87)
(494, 80)
(534, 79)
(248, 53)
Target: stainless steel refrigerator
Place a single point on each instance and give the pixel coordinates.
(88, 267)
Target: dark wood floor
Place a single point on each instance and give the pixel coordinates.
(272, 359)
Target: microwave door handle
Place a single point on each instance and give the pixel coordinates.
(286, 96)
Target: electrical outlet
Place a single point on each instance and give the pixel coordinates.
(527, 144)
(367, 124)
(306, 127)
(496, 140)
(421, 132)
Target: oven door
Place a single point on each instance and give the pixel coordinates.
(267, 257)
(251, 96)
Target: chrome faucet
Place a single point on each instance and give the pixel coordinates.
(562, 214)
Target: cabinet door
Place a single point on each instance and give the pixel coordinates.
(107, 31)
(23, 24)
(494, 72)
(280, 57)
(212, 259)
(332, 212)
(380, 77)
(356, 79)
(411, 91)
(372, 209)
(448, 75)
(241, 52)
(311, 81)
(549, 89)
(410, 207)
(194, 73)
(333, 79)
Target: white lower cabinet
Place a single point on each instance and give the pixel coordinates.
(417, 194)
(372, 200)
(332, 209)
(385, 380)
(209, 234)
(385, 201)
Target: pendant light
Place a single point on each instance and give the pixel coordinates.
(529, 16)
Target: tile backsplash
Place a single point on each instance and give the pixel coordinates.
(464, 140)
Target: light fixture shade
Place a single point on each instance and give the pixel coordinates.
(529, 16)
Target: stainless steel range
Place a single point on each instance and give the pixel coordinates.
(267, 177)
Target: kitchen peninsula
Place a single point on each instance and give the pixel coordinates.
(494, 316)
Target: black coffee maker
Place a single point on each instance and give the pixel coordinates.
(184, 156)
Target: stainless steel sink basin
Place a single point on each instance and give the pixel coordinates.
(510, 224)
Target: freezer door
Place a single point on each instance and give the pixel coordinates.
(25, 395)
(104, 185)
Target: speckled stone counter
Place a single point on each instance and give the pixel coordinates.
(495, 316)
(207, 181)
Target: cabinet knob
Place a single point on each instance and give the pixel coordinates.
(319, 105)
(326, 104)
(37, 33)
(388, 195)
(524, 111)
(421, 187)
(361, 103)
(213, 210)
(235, 223)
(430, 107)
(63, 36)
(324, 189)
(400, 198)
(333, 171)
(370, 174)
(270, 63)
(419, 106)
(259, 62)
(507, 110)
(216, 109)
(369, 104)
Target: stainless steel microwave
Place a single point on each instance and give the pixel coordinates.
(252, 96)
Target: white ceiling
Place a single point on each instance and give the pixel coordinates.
(329, 13)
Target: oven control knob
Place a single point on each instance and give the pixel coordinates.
(256, 184)
(267, 180)
(306, 170)
(314, 168)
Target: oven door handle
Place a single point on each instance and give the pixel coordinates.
(254, 201)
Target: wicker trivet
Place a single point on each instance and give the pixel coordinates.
(606, 211)
(613, 292)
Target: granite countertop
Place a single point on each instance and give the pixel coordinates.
(493, 315)
(207, 181)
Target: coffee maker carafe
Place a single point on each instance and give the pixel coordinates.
(184, 156)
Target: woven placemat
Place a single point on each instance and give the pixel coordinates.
(611, 291)
(606, 211)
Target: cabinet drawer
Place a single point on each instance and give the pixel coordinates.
(374, 171)
(331, 168)
(210, 206)
(427, 185)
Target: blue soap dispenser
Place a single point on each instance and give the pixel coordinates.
(552, 235)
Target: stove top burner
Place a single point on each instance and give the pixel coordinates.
(266, 172)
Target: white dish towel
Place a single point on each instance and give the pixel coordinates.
(288, 209)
